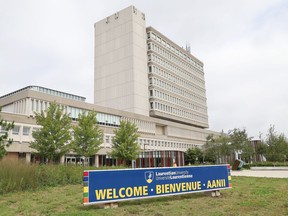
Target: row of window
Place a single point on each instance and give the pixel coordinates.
(25, 130)
(38, 105)
(161, 62)
(152, 57)
(152, 143)
(175, 79)
(20, 106)
(177, 112)
(174, 59)
(57, 93)
(171, 48)
(170, 75)
(108, 140)
(176, 100)
(167, 86)
(102, 118)
(143, 126)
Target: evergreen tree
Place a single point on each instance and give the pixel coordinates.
(124, 144)
(87, 135)
(51, 141)
(5, 127)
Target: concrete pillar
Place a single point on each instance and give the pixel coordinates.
(28, 157)
(62, 159)
(96, 160)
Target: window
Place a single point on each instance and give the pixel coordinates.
(150, 69)
(148, 35)
(149, 46)
(16, 130)
(158, 39)
(26, 131)
(149, 57)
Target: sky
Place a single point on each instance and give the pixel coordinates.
(243, 45)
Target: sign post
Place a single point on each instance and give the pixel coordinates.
(109, 186)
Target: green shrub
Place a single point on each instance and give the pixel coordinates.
(270, 164)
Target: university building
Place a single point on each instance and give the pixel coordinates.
(140, 76)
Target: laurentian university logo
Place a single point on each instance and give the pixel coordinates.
(149, 176)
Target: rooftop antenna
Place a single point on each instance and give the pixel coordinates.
(188, 47)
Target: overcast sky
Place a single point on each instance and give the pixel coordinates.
(243, 45)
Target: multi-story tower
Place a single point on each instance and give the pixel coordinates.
(120, 79)
(176, 82)
(138, 69)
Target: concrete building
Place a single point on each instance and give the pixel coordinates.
(140, 76)
(139, 70)
(120, 78)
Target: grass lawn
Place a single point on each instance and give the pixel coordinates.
(249, 196)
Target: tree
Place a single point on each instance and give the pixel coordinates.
(277, 146)
(240, 142)
(193, 155)
(5, 127)
(210, 150)
(217, 148)
(224, 144)
(52, 140)
(87, 135)
(124, 144)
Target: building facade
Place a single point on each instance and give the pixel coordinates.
(140, 76)
(120, 77)
(139, 70)
(176, 82)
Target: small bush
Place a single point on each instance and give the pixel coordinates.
(269, 163)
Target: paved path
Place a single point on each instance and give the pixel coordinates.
(261, 173)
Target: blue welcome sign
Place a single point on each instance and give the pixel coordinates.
(106, 186)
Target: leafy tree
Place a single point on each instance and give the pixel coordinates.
(4, 140)
(209, 145)
(276, 146)
(124, 144)
(240, 142)
(192, 155)
(217, 148)
(210, 152)
(87, 135)
(223, 142)
(52, 140)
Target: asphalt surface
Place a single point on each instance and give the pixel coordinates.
(261, 173)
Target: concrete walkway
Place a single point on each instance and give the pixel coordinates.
(261, 173)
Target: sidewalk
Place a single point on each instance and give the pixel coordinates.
(261, 173)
